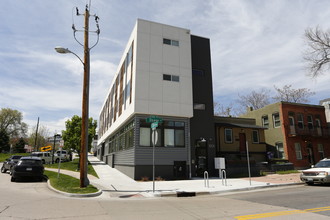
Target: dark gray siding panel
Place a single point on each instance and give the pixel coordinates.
(125, 157)
(163, 155)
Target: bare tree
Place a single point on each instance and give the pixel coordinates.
(42, 136)
(222, 110)
(255, 99)
(318, 53)
(288, 94)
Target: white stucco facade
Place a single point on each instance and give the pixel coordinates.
(153, 77)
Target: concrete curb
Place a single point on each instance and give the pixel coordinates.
(202, 193)
(77, 195)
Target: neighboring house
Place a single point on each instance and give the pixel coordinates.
(296, 132)
(165, 72)
(326, 104)
(234, 136)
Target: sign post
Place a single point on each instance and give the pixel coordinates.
(154, 120)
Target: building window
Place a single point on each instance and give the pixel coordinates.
(300, 121)
(123, 139)
(170, 42)
(318, 126)
(166, 41)
(172, 131)
(175, 78)
(297, 148)
(276, 120)
(279, 150)
(255, 136)
(310, 122)
(167, 77)
(169, 138)
(198, 72)
(320, 150)
(228, 135)
(265, 122)
(199, 106)
(145, 137)
(172, 78)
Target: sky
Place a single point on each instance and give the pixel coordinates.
(255, 44)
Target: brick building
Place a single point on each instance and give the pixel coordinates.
(296, 132)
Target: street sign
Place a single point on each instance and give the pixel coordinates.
(154, 118)
(154, 125)
(46, 148)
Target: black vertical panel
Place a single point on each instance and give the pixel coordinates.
(202, 123)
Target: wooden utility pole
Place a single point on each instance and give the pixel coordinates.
(84, 182)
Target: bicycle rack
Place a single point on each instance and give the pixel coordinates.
(224, 177)
(206, 179)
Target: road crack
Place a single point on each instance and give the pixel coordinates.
(6, 207)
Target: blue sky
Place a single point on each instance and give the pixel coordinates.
(255, 44)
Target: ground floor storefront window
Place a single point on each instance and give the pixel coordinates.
(170, 134)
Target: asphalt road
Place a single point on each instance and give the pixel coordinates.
(33, 200)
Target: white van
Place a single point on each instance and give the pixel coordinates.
(63, 154)
(46, 157)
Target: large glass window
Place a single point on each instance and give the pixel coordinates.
(298, 151)
(228, 135)
(179, 138)
(169, 138)
(170, 134)
(145, 137)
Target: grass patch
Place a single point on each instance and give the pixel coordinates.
(3, 156)
(287, 171)
(68, 184)
(72, 166)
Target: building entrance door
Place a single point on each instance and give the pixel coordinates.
(242, 143)
(179, 170)
(201, 157)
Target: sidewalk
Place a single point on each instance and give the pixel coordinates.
(112, 181)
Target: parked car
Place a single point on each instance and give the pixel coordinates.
(63, 154)
(11, 161)
(45, 157)
(320, 173)
(27, 167)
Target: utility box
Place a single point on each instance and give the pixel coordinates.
(219, 163)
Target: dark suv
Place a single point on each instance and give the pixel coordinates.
(28, 167)
(11, 161)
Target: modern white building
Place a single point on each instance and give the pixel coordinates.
(155, 77)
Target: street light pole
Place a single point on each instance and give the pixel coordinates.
(84, 182)
(85, 102)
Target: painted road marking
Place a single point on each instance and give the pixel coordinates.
(274, 214)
